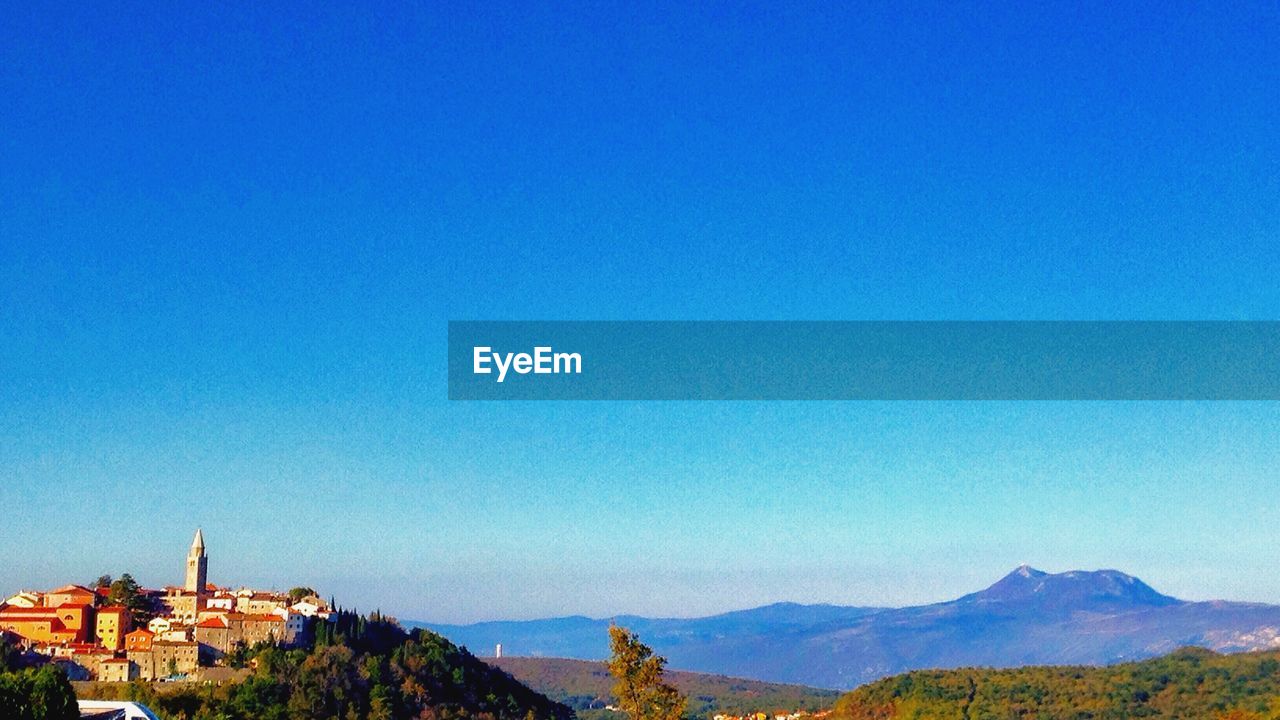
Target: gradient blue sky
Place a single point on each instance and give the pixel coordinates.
(230, 241)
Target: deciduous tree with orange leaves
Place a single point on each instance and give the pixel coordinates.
(641, 691)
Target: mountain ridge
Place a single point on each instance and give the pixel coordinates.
(1027, 617)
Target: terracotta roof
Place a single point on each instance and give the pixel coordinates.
(140, 631)
(213, 622)
(67, 589)
(113, 609)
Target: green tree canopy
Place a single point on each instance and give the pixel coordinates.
(125, 592)
(1189, 684)
(42, 694)
(9, 655)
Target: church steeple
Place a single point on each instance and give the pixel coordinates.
(197, 566)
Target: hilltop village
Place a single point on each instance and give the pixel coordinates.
(116, 633)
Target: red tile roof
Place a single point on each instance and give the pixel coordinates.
(68, 589)
(87, 649)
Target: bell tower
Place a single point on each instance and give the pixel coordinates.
(197, 566)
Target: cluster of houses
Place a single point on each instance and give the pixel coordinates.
(192, 626)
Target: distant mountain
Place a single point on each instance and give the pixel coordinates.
(586, 685)
(1070, 590)
(585, 638)
(1029, 617)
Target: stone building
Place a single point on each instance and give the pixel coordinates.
(254, 602)
(115, 670)
(222, 634)
(197, 566)
(165, 659)
(73, 667)
(186, 603)
(181, 605)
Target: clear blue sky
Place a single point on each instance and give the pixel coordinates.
(230, 243)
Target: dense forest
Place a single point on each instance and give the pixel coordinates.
(358, 668)
(28, 693)
(1191, 684)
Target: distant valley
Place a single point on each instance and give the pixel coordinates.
(1029, 617)
(587, 685)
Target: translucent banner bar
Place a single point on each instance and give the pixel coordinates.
(575, 360)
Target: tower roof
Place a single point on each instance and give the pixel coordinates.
(197, 545)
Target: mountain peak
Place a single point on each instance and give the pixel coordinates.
(1026, 571)
(1075, 589)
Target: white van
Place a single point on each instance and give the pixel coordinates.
(114, 710)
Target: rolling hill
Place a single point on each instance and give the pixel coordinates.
(1188, 684)
(586, 685)
(1029, 617)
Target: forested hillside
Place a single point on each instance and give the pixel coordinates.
(1190, 684)
(360, 669)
